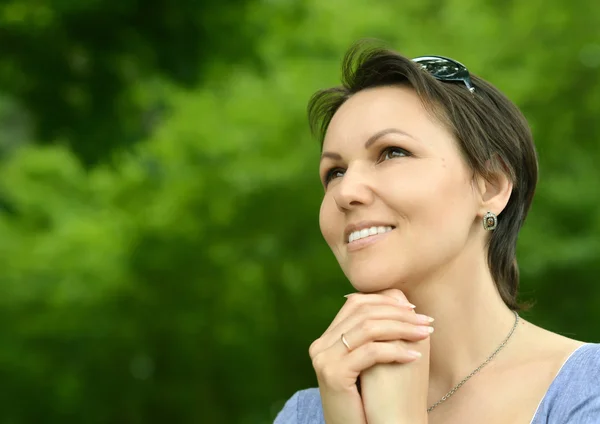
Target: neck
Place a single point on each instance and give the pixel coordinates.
(471, 320)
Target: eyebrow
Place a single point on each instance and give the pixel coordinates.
(369, 142)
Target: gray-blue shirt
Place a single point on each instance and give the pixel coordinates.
(572, 398)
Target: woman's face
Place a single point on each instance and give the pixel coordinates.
(387, 164)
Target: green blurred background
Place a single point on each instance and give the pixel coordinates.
(160, 257)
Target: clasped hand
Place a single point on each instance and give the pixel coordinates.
(389, 353)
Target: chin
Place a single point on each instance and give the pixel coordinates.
(372, 278)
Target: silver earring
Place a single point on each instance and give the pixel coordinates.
(490, 221)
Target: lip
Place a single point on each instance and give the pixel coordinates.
(367, 241)
(350, 228)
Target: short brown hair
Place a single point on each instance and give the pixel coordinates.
(491, 131)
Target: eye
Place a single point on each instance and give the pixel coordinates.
(393, 152)
(333, 173)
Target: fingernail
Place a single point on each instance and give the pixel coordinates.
(414, 354)
(348, 295)
(425, 330)
(424, 318)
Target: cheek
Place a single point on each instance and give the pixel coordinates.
(327, 219)
(433, 196)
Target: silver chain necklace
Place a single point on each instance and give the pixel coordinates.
(464, 380)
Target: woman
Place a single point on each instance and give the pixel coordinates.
(428, 174)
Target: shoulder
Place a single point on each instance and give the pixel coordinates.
(581, 371)
(303, 407)
(574, 395)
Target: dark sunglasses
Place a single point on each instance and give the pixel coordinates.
(445, 69)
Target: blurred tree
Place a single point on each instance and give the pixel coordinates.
(186, 281)
(73, 64)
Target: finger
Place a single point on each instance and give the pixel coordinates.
(371, 312)
(373, 353)
(338, 368)
(396, 294)
(357, 299)
(385, 330)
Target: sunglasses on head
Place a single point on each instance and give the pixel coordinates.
(445, 69)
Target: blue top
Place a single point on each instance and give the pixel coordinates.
(572, 398)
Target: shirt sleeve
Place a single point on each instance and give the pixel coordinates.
(289, 413)
(578, 401)
(587, 412)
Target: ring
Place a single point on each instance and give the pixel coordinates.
(346, 342)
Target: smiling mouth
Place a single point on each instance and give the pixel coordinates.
(368, 232)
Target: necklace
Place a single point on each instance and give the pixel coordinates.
(464, 380)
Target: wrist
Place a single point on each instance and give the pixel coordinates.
(397, 393)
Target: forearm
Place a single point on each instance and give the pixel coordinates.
(397, 393)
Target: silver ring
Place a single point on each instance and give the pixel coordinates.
(346, 342)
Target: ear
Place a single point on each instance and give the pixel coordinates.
(495, 190)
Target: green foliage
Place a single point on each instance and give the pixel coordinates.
(73, 65)
(185, 281)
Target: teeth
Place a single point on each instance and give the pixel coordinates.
(366, 232)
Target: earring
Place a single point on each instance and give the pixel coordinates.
(490, 221)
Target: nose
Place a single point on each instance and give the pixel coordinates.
(353, 190)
